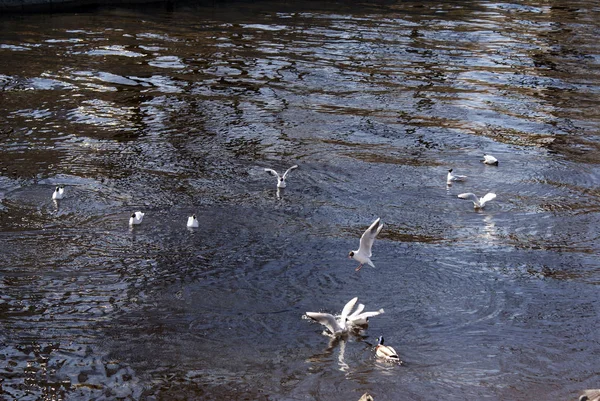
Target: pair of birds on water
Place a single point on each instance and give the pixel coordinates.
(340, 326)
(137, 218)
(478, 203)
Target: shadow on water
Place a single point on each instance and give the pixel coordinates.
(178, 112)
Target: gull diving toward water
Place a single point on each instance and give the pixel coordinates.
(192, 221)
(281, 178)
(136, 218)
(386, 352)
(489, 159)
(363, 254)
(478, 203)
(59, 192)
(336, 326)
(453, 178)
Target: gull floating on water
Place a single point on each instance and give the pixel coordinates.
(478, 203)
(59, 192)
(489, 159)
(281, 178)
(363, 254)
(136, 218)
(336, 326)
(192, 221)
(386, 352)
(452, 177)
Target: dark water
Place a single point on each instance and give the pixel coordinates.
(178, 111)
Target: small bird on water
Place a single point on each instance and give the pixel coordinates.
(363, 254)
(59, 192)
(489, 159)
(192, 221)
(454, 177)
(136, 218)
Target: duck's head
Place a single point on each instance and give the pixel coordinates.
(350, 254)
(380, 340)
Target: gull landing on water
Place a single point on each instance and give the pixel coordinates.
(478, 203)
(336, 326)
(489, 159)
(59, 192)
(281, 178)
(363, 254)
(192, 221)
(453, 178)
(136, 218)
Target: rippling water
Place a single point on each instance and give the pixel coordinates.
(175, 112)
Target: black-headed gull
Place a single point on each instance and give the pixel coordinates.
(363, 254)
(136, 218)
(489, 159)
(59, 192)
(454, 177)
(386, 352)
(337, 326)
(478, 203)
(192, 221)
(281, 178)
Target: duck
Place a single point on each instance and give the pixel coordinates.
(59, 192)
(281, 178)
(385, 351)
(453, 178)
(489, 159)
(478, 203)
(363, 253)
(336, 326)
(192, 221)
(136, 218)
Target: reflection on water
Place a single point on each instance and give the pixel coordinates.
(179, 111)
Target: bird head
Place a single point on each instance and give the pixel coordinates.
(350, 254)
(133, 215)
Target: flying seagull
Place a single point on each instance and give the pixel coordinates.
(335, 326)
(281, 178)
(363, 254)
(478, 203)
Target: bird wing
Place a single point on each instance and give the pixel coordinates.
(347, 308)
(368, 237)
(469, 196)
(288, 170)
(272, 172)
(488, 197)
(326, 320)
(367, 315)
(359, 309)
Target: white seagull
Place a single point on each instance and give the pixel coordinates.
(59, 192)
(192, 221)
(452, 177)
(336, 326)
(359, 318)
(281, 178)
(478, 203)
(489, 159)
(363, 254)
(136, 218)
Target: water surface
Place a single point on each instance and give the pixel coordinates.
(175, 112)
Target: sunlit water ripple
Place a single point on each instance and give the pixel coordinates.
(179, 111)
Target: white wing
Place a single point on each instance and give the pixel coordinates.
(490, 159)
(469, 196)
(368, 237)
(326, 320)
(288, 170)
(488, 197)
(359, 309)
(347, 308)
(272, 172)
(362, 317)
